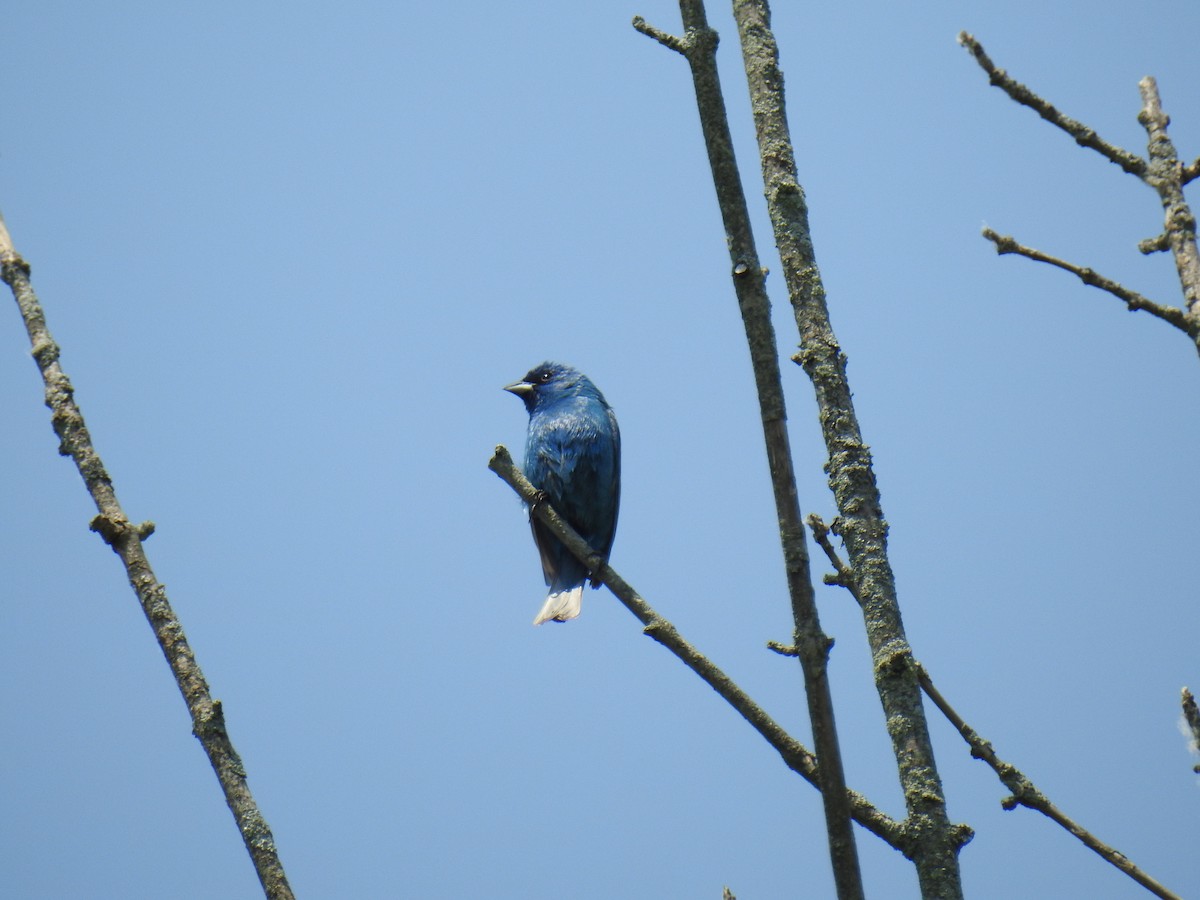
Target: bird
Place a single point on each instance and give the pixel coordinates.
(573, 456)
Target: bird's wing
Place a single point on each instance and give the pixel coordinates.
(570, 463)
(614, 486)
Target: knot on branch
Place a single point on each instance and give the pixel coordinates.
(894, 658)
(116, 530)
(1181, 220)
(961, 835)
(209, 721)
(113, 529)
(44, 352)
(12, 265)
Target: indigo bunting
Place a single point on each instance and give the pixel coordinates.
(573, 454)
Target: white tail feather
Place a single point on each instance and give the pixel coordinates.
(561, 605)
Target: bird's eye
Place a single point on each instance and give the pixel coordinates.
(545, 377)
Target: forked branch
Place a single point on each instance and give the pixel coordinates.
(1161, 170)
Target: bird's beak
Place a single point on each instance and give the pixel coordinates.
(520, 388)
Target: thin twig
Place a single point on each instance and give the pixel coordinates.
(1024, 793)
(797, 758)
(811, 644)
(1157, 244)
(125, 538)
(843, 575)
(1083, 135)
(1132, 299)
(678, 44)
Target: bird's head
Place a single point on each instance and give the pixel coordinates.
(551, 381)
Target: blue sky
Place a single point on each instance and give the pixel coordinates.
(293, 254)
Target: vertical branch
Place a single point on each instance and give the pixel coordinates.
(125, 538)
(851, 477)
(699, 46)
(1191, 722)
(1166, 175)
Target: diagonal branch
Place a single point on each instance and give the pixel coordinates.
(1161, 169)
(1083, 135)
(1024, 793)
(794, 754)
(125, 538)
(699, 46)
(1132, 299)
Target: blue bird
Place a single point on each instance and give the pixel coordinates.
(573, 454)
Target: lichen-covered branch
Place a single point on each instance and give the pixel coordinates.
(1191, 721)
(698, 46)
(1132, 299)
(794, 754)
(1024, 793)
(1166, 175)
(125, 538)
(1083, 135)
(1162, 170)
(851, 477)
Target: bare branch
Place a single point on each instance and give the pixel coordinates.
(851, 474)
(125, 538)
(1166, 176)
(811, 644)
(1132, 299)
(1024, 793)
(1191, 721)
(678, 44)
(1083, 135)
(794, 754)
(1157, 244)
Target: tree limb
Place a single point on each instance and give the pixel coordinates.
(1162, 170)
(1132, 299)
(1024, 793)
(794, 754)
(1167, 177)
(851, 477)
(125, 538)
(698, 47)
(1191, 721)
(1083, 135)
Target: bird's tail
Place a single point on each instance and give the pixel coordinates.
(561, 605)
